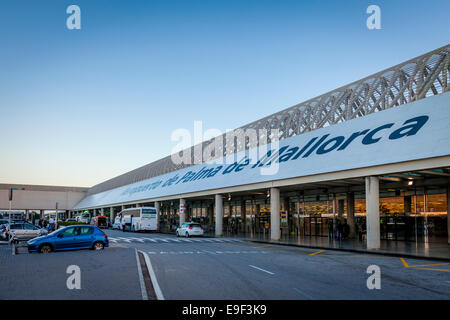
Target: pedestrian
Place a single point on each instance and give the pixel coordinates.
(330, 229)
(51, 224)
(339, 230)
(346, 230)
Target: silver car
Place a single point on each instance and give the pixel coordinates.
(25, 230)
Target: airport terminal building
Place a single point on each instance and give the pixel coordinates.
(370, 159)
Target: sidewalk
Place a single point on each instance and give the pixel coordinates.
(437, 250)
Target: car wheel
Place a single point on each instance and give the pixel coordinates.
(187, 234)
(98, 246)
(45, 249)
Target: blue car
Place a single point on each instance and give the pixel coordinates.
(70, 238)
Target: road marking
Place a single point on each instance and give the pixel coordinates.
(152, 252)
(404, 263)
(158, 291)
(258, 247)
(429, 265)
(163, 240)
(138, 239)
(444, 270)
(141, 278)
(261, 269)
(150, 239)
(313, 254)
(303, 294)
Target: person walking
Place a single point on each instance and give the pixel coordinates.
(51, 225)
(330, 229)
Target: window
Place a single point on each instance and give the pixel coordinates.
(29, 227)
(86, 231)
(17, 227)
(71, 232)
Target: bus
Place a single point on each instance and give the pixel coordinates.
(139, 219)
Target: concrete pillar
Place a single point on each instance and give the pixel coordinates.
(102, 211)
(351, 221)
(373, 212)
(219, 215)
(111, 215)
(182, 211)
(275, 232)
(341, 209)
(244, 216)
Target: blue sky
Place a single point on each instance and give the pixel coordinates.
(78, 107)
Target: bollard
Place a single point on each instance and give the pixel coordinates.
(13, 246)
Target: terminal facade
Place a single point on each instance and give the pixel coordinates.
(370, 160)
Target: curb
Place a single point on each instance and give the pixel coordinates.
(384, 253)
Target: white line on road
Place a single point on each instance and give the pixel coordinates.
(261, 269)
(158, 291)
(150, 239)
(303, 294)
(141, 278)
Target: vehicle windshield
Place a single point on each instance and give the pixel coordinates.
(148, 213)
(56, 231)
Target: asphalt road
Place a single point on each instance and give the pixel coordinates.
(106, 275)
(218, 268)
(208, 269)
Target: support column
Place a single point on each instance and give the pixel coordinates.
(275, 232)
(351, 214)
(244, 216)
(341, 210)
(373, 212)
(219, 215)
(102, 211)
(182, 211)
(111, 215)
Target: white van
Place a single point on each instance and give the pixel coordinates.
(139, 219)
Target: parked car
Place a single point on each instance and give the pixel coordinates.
(190, 229)
(25, 230)
(70, 238)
